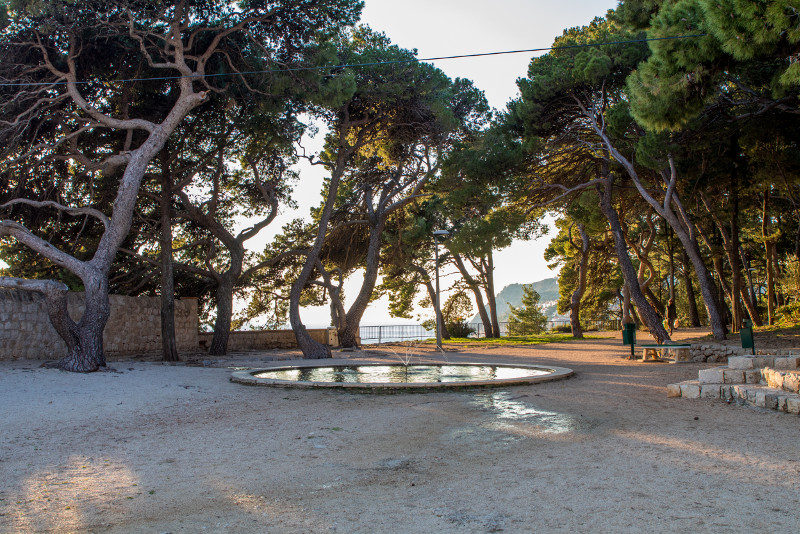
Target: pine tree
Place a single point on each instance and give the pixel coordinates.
(528, 318)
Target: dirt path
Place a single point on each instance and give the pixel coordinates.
(154, 448)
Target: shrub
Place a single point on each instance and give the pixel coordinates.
(460, 329)
(789, 314)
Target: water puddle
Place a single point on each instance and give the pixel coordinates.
(512, 411)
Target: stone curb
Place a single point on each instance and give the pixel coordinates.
(246, 377)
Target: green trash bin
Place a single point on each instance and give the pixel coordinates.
(629, 336)
(746, 335)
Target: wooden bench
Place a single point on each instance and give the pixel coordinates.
(653, 352)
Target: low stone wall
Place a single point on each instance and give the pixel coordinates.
(717, 352)
(248, 340)
(133, 327)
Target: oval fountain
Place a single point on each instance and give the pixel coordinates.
(382, 376)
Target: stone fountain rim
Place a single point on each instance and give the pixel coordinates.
(246, 377)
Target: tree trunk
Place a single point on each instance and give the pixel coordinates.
(431, 294)
(348, 334)
(577, 295)
(769, 244)
(627, 315)
(84, 339)
(490, 294)
(694, 315)
(732, 251)
(86, 354)
(312, 349)
(222, 324)
(658, 306)
(475, 288)
(646, 312)
(683, 227)
(225, 283)
(771, 300)
(169, 346)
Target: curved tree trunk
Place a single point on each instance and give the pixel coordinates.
(310, 348)
(490, 294)
(476, 291)
(348, 336)
(627, 312)
(684, 228)
(577, 295)
(646, 312)
(85, 351)
(431, 295)
(82, 339)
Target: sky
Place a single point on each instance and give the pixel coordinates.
(438, 28)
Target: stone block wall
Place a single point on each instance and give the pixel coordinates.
(270, 339)
(133, 327)
(718, 352)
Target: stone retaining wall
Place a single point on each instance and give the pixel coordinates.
(133, 327)
(270, 339)
(713, 352)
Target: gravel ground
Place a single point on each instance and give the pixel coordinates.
(155, 448)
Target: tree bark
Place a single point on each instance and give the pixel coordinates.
(490, 293)
(348, 334)
(694, 315)
(474, 286)
(732, 250)
(627, 312)
(646, 311)
(769, 245)
(85, 353)
(222, 323)
(83, 345)
(577, 295)
(309, 347)
(431, 295)
(683, 226)
(169, 346)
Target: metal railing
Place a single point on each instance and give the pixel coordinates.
(550, 326)
(390, 333)
(393, 333)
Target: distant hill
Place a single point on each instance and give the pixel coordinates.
(547, 289)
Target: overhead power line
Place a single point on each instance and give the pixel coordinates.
(371, 64)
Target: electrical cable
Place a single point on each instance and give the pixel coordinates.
(356, 65)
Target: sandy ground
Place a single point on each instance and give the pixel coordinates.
(152, 448)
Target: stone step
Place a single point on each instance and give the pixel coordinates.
(726, 375)
(758, 362)
(762, 396)
(783, 380)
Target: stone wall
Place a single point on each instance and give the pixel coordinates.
(133, 327)
(718, 352)
(270, 339)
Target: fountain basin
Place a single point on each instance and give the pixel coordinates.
(381, 376)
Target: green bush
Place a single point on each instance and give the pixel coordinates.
(460, 329)
(564, 328)
(789, 314)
